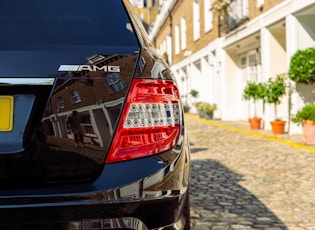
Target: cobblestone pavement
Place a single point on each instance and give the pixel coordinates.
(245, 181)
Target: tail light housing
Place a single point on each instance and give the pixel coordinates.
(150, 121)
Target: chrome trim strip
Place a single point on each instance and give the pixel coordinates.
(27, 81)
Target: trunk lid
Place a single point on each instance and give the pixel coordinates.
(65, 69)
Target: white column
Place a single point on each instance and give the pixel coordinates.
(265, 53)
(291, 36)
(292, 43)
(95, 128)
(266, 70)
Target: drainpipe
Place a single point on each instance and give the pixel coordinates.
(219, 26)
(171, 29)
(149, 14)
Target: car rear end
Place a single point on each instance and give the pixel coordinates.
(92, 132)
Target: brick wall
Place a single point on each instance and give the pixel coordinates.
(185, 8)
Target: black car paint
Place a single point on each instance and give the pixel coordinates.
(46, 181)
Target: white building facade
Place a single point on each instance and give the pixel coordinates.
(259, 49)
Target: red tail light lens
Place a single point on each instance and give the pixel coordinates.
(150, 121)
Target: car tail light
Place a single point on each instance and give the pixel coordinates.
(150, 121)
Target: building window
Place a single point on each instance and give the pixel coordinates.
(162, 47)
(254, 65)
(169, 48)
(60, 104)
(238, 13)
(183, 33)
(138, 3)
(250, 63)
(260, 3)
(196, 19)
(95, 58)
(75, 97)
(208, 15)
(140, 66)
(114, 83)
(177, 39)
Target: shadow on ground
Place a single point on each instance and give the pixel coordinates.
(195, 150)
(219, 202)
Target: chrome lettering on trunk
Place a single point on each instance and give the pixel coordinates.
(91, 68)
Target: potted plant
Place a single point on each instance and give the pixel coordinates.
(302, 66)
(275, 89)
(254, 91)
(205, 109)
(306, 117)
(194, 93)
(209, 109)
(198, 106)
(186, 108)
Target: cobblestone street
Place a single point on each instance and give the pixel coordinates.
(241, 180)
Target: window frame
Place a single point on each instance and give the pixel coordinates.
(208, 16)
(196, 20)
(60, 102)
(177, 39)
(75, 96)
(114, 83)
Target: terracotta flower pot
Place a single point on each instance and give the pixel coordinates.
(254, 123)
(277, 127)
(309, 132)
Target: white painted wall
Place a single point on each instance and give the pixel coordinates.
(215, 71)
(233, 88)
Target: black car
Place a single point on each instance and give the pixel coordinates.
(92, 132)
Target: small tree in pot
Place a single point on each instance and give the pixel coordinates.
(254, 91)
(276, 89)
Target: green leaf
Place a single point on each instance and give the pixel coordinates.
(302, 66)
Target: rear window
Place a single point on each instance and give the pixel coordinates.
(65, 22)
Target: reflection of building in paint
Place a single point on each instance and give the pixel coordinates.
(97, 96)
(155, 185)
(121, 223)
(90, 116)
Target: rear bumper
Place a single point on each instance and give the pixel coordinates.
(164, 214)
(146, 193)
(117, 223)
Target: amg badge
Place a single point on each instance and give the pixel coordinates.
(92, 68)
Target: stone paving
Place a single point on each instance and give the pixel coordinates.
(242, 181)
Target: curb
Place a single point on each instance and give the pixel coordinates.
(252, 133)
